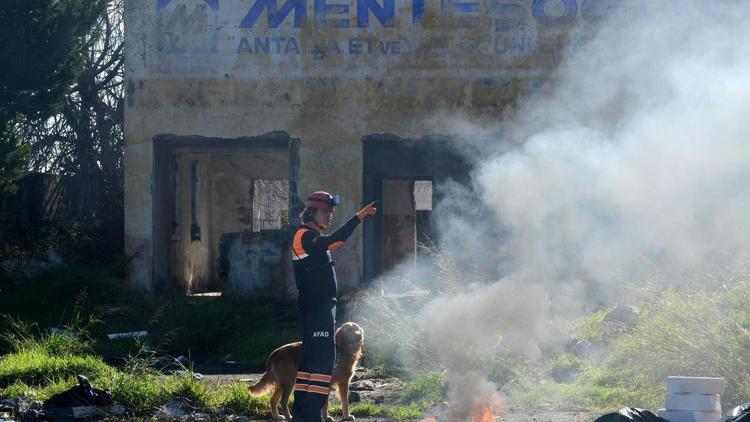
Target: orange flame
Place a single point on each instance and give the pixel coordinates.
(486, 407)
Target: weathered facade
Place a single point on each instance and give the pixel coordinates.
(232, 105)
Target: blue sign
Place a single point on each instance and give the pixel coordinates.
(187, 26)
(506, 14)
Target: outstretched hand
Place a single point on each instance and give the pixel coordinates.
(367, 211)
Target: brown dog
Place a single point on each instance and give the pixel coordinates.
(282, 364)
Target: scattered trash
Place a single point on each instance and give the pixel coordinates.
(205, 294)
(22, 409)
(196, 375)
(6, 412)
(742, 417)
(137, 334)
(689, 399)
(740, 410)
(82, 394)
(630, 414)
(169, 364)
(173, 409)
(86, 412)
(82, 401)
(377, 390)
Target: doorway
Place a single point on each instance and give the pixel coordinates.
(406, 176)
(222, 212)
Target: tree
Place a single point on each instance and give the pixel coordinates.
(42, 49)
(83, 140)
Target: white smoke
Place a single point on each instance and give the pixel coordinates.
(633, 165)
(638, 160)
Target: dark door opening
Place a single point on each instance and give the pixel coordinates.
(406, 176)
(222, 212)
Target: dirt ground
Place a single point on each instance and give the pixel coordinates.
(517, 417)
(386, 391)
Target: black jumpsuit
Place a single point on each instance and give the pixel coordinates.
(316, 282)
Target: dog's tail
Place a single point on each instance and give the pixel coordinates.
(264, 384)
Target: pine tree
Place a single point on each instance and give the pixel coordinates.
(41, 48)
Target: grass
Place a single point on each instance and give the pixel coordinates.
(36, 366)
(34, 370)
(621, 357)
(39, 363)
(592, 327)
(206, 329)
(690, 333)
(143, 395)
(425, 390)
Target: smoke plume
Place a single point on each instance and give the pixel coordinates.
(633, 166)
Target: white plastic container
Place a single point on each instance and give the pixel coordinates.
(689, 416)
(693, 402)
(696, 385)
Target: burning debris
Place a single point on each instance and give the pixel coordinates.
(469, 398)
(487, 408)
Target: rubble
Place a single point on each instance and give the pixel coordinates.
(85, 412)
(172, 409)
(375, 390)
(22, 409)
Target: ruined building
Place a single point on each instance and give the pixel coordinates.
(236, 110)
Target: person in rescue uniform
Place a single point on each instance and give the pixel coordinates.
(317, 286)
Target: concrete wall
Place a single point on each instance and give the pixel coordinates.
(328, 73)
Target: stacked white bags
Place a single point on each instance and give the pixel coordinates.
(693, 399)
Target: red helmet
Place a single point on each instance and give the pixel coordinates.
(322, 200)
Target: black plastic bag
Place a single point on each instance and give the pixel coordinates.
(630, 414)
(82, 394)
(740, 414)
